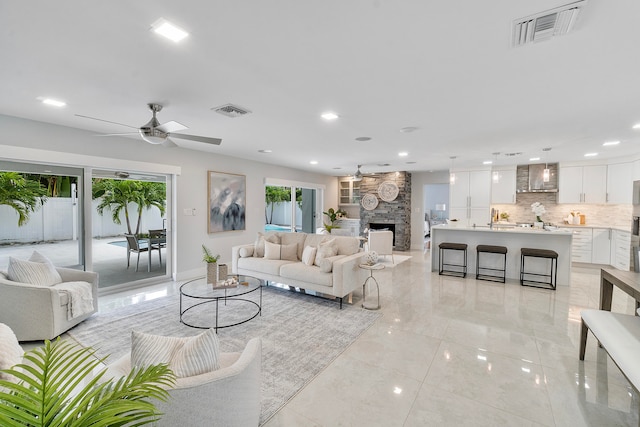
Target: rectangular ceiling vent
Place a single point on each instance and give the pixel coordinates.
(544, 25)
(231, 110)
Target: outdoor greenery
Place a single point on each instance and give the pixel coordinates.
(116, 195)
(50, 391)
(274, 195)
(22, 194)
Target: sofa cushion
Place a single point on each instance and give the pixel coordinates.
(258, 250)
(274, 251)
(325, 250)
(309, 255)
(347, 245)
(294, 238)
(314, 240)
(262, 265)
(10, 351)
(35, 273)
(326, 265)
(186, 356)
(306, 273)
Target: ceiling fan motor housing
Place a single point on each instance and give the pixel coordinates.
(153, 135)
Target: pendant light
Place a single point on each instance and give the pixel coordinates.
(358, 175)
(495, 176)
(546, 174)
(452, 175)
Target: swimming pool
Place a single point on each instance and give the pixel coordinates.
(274, 227)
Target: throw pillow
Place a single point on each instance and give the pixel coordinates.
(35, 273)
(258, 250)
(10, 352)
(326, 265)
(309, 255)
(271, 250)
(186, 357)
(325, 250)
(289, 252)
(246, 252)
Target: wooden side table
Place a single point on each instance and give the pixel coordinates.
(371, 268)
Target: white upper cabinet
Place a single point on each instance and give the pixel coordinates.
(470, 197)
(620, 183)
(583, 184)
(503, 186)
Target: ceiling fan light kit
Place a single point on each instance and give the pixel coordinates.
(155, 133)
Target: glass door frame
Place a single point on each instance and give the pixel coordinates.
(294, 185)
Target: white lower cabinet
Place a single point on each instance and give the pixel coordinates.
(601, 246)
(581, 248)
(621, 249)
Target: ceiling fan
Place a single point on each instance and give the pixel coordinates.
(155, 133)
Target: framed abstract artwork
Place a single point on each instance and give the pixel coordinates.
(227, 197)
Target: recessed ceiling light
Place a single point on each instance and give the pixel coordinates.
(409, 129)
(403, 154)
(168, 30)
(329, 115)
(265, 151)
(487, 162)
(53, 102)
(313, 162)
(534, 159)
(636, 126)
(609, 143)
(363, 138)
(591, 154)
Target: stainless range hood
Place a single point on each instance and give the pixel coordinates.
(530, 178)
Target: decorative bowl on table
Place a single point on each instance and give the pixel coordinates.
(371, 258)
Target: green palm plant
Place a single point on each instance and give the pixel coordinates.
(50, 391)
(22, 194)
(117, 194)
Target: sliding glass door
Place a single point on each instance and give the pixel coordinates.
(290, 208)
(41, 210)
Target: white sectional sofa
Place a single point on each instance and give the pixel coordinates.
(336, 275)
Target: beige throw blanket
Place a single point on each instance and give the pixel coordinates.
(80, 298)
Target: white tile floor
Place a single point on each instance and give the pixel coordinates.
(451, 351)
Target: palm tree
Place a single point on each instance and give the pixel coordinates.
(23, 195)
(274, 195)
(117, 194)
(57, 388)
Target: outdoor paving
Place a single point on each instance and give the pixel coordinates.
(109, 261)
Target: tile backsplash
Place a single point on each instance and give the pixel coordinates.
(601, 215)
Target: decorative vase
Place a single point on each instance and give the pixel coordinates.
(371, 257)
(212, 272)
(222, 272)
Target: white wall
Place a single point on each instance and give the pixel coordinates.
(112, 152)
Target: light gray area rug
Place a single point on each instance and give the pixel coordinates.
(398, 259)
(301, 334)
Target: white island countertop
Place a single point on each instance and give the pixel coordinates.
(514, 239)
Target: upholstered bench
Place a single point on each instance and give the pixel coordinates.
(619, 335)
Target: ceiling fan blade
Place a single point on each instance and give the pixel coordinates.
(206, 140)
(107, 121)
(169, 143)
(171, 127)
(117, 134)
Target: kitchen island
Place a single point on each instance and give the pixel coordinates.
(513, 238)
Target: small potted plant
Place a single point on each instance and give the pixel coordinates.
(333, 216)
(214, 270)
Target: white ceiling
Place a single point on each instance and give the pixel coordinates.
(445, 67)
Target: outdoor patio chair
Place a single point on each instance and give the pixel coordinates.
(137, 247)
(158, 241)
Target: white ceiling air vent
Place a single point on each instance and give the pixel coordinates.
(544, 25)
(231, 110)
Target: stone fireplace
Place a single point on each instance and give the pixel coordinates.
(394, 215)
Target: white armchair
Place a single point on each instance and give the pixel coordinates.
(381, 242)
(229, 396)
(37, 313)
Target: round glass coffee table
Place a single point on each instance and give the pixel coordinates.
(203, 306)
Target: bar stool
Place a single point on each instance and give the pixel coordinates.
(444, 246)
(491, 249)
(553, 272)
